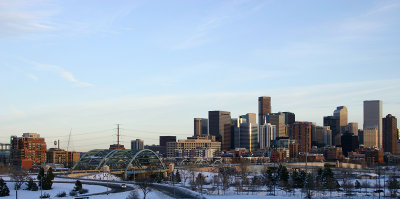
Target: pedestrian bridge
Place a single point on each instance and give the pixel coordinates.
(128, 163)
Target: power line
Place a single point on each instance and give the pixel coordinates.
(157, 132)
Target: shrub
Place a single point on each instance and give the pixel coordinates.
(61, 194)
(133, 195)
(83, 191)
(73, 193)
(45, 195)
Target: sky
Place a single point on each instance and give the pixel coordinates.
(82, 67)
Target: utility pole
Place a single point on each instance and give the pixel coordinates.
(117, 136)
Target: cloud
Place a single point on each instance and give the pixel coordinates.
(33, 77)
(382, 9)
(201, 33)
(61, 72)
(20, 17)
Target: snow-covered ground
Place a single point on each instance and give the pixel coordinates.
(101, 176)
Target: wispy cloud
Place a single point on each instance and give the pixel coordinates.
(383, 8)
(33, 77)
(203, 32)
(66, 75)
(20, 17)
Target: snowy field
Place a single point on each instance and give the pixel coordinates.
(67, 187)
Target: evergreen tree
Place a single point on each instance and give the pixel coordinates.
(4, 191)
(393, 185)
(357, 185)
(78, 186)
(309, 184)
(178, 176)
(30, 185)
(41, 177)
(283, 175)
(45, 180)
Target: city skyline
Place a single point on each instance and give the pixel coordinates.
(153, 67)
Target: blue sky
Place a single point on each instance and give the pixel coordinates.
(154, 65)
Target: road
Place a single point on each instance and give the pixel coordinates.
(116, 188)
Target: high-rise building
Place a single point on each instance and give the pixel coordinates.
(323, 136)
(28, 151)
(370, 137)
(264, 107)
(250, 118)
(302, 134)
(249, 136)
(341, 113)
(266, 131)
(290, 118)
(390, 137)
(334, 125)
(327, 134)
(373, 117)
(219, 124)
(200, 127)
(352, 128)
(278, 119)
(137, 144)
(349, 143)
(163, 143)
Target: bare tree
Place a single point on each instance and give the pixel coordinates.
(184, 175)
(200, 181)
(144, 185)
(225, 176)
(365, 184)
(19, 177)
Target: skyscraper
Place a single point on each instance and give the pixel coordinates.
(334, 124)
(341, 113)
(249, 136)
(264, 107)
(278, 119)
(249, 117)
(200, 127)
(390, 137)
(163, 142)
(373, 117)
(137, 144)
(266, 131)
(290, 118)
(220, 126)
(302, 134)
(352, 128)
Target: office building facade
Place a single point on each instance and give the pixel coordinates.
(200, 127)
(334, 125)
(264, 108)
(278, 119)
(341, 114)
(137, 144)
(28, 151)
(373, 118)
(390, 136)
(249, 136)
(302, 135)
(219, 123)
